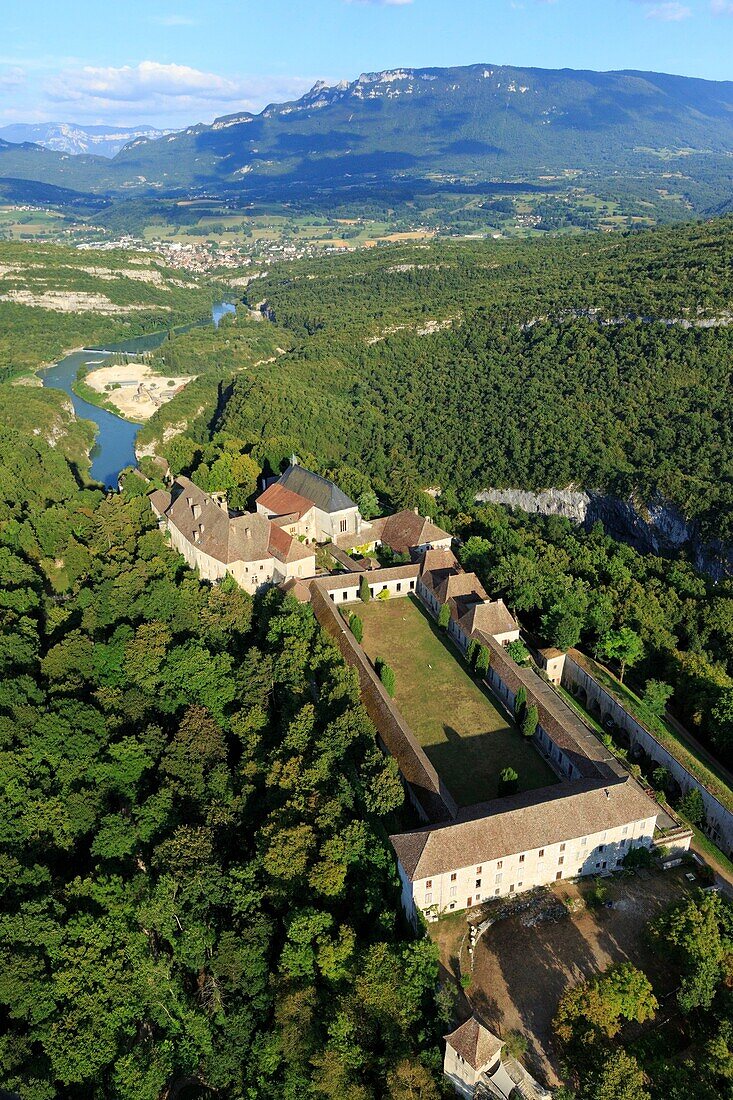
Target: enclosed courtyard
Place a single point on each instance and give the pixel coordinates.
(460, 725)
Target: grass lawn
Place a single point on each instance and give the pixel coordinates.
(458, 723)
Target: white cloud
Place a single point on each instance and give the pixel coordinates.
(672, 12)
(721, 7)
(170, 93)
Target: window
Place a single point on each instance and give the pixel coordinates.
(478, 869)
(428, 899)
(478, 897)
(429, 884)
(478, 883)
(521, 859)
(500, 864)
(583, 841)
(497, 891)
(511, 888)
(412, 585)
(452, 905)
(625, 830)
(398, 586)
(562, 847)
(498, 878)
(601, 847)
(558, 876)
(345, 596)
(343, 526)
(469, 902)
(453, 877)
(542, 853)
(519, 886)
(560, 861)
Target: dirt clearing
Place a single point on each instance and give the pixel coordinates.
(134, 389)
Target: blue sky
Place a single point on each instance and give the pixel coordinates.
(184, 61)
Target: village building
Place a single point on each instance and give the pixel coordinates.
(407, 533)
(249, 547)
(473, 1058)
(305, 504)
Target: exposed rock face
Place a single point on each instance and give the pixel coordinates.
(656, 527)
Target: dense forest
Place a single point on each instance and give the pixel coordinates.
(197, 893)
(686, 1051)
(574, 587)
(602, 363)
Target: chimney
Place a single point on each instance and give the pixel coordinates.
(293, 460)
(608, 793)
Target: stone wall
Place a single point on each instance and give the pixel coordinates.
(579, 681)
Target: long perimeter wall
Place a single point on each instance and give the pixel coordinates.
(576, 679)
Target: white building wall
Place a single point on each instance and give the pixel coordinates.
(350, 592)
(461, 1075)
(587, 855)
(335, 525)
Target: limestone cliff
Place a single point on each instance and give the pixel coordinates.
(655, 526)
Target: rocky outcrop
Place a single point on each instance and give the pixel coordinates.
(655, 527)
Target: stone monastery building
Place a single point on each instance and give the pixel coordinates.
(584, 824)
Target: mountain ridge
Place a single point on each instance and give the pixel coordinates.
(468, 123)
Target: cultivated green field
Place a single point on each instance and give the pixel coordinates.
(456, 721)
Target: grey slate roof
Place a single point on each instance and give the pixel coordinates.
(323, 493)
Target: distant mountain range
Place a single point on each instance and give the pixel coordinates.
(68, 137)
(635, 131)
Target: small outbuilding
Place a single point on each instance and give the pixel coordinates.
(473, 1058)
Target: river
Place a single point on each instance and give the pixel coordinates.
(114, 444)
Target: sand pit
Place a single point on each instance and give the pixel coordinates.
(134, 389)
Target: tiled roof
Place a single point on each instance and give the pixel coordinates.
(460, 584)
(284, 502)
(319, 490)
(588, 755)
(491, 618)
(406, 529)
(160, 500)
(228, 539)
(521, 823)
(475, 1043)
(286, 548)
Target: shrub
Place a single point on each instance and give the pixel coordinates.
(520, 703)
(472, 651)
(692, 806)
(357, 627)
(530, 720)
(483, 660)
(383, 595)
(508, 781)
(516, 1044)
(518, 652)
(386, 675)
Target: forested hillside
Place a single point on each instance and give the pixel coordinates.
(197, 888)
(603, 362)
(54, 298)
